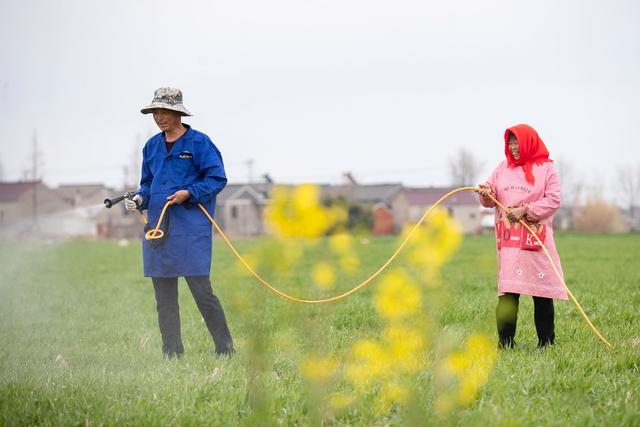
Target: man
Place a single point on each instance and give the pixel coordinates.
(182, 166)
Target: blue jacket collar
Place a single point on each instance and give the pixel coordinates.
(177, 148)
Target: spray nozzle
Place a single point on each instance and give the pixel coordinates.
(108, 203)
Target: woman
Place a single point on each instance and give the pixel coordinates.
(528, 184)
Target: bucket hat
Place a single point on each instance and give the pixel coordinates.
(168, 98)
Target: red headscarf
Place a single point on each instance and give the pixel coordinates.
(532, 149)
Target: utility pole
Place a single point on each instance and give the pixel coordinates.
(249, 163)
(136, 166)
(131, 171)
(127, 177)
(35, 174)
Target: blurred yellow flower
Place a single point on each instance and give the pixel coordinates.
(297, 212)
(472, 367)
(341, 243)
(350, 263)
(383, 369)
(369, 362)
(397, 296)
(323, 275)
(318, 370)
(433, 243)
(391, 392)
(359, 375)
(252, 259)
(390, 363)
(445, 402)
(458, 362)
(305, 197)
(406, 345)
(279, 255)
(340, 400)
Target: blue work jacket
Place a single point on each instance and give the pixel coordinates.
(193, 164)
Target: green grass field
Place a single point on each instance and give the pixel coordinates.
(79, 342)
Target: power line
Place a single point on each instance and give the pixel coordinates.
(85, 169)
(368, 174)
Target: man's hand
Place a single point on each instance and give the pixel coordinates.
(179, 197)
(484, 190)
(516, 214)
(133, 203)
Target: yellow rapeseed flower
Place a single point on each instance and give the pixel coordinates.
(434, 242)
(317, 369)
(297, 212)
(349, 263)
(445, 403)
(397, 296)
(369, 362)
(276, 255)
(341, 243)
(406, 345)
(391, 392)
(458, 362)
(252, 259)
(305, 197)
(340, 400)
(472, 366)
(323, 275)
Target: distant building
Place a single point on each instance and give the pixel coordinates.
(364, 194)
(24, 204)
(31, 209)
(240, 209)
(382, 220)
(88, 216)
(410, 204)
(77, 210)
(84, 194)
(375, 197)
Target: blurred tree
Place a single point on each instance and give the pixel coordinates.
(629, 186)
(598, 216)
(360, 219)
(570, 189)
(464, 168)
(360, 216)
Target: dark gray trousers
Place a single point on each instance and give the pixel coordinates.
(166, 291)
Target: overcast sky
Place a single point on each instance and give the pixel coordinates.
(311, 89)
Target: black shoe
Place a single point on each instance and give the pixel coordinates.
(545, 343)
(172, 355)
(546, 340)
(225, 350)
(504, 343)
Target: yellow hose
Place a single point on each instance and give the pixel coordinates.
(157, 233)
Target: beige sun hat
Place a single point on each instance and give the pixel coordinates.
(168, 98)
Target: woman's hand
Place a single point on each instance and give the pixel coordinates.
(517, 213)
(179, 197)
(485, 190)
